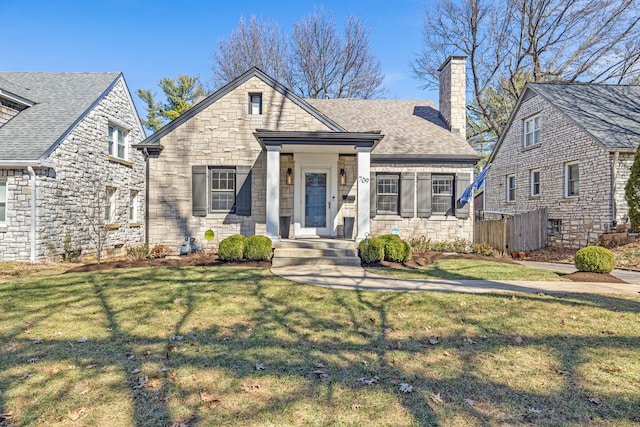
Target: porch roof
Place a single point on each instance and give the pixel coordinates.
(302, 141)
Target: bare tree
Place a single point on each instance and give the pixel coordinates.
(320, 63)
(258, 43)
(510, 42)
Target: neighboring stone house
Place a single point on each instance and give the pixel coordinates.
(254, 158)
(568, 148)
(68, 172)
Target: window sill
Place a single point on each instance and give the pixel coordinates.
(111, 226)
(120, 161)
(531, 147)
(134, 225)
(510, 201)
(388, 216)
(571, 198)
(3, 228)
(534, 197)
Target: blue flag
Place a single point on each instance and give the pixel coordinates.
(477, 183)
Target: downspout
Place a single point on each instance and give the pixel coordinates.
(614, 179)
(146, 197)
(32, 182)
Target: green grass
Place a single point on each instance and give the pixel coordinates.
(464, 269)
(576, 362)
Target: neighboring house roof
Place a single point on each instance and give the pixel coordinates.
(609, 113)
(60, 100)
(410, 128)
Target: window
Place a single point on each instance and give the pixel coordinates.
(117, 142)
(535, 182)
(532, 131)
(3, 201)
(223, 190)
(511, 188)
(133, 207)
(553, 226)
(571, 180)
(387, 194)
(109, 205)
(255, 103)
(442, 194)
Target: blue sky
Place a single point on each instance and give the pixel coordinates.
(148, 40)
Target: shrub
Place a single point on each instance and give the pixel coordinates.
(137, 253)
(595, 259)
(232, 248)
(258, 248)
(371, 250)
(483, 249)
(632, 193)
(397, 250)
(160, 251)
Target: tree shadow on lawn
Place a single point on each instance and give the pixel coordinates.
(229, 346)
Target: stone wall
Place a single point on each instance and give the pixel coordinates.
(8, 110)
(69, 197)
(220, 135)
(625, 161)
(437, 227)
(582, 218)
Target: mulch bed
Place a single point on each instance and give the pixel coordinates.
(583, 276)
(204, 260)
(427, 258)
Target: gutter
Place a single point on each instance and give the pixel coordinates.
(21, 164)
(32, 182)
(614, 179)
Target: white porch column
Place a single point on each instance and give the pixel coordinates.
(273, 192)
(364, 193)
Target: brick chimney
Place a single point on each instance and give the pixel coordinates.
(453, 107)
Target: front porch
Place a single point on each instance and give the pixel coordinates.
(320, 181)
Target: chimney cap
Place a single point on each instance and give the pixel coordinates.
(451, 58)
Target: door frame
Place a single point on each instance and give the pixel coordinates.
(316, 231)
(322, 163)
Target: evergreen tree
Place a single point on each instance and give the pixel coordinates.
(632, 193)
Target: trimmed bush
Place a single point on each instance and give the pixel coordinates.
(232, 248)
(258, 248)
(595, 259)
(138, 253)
(372, 250)
(397, 250)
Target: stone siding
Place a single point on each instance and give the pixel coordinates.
(69, 197)
(437, 227)
(583, 218)
(8, 110)
(625, 161)
(452, 95)
(220, 135)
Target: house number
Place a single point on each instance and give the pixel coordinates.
(363, 179)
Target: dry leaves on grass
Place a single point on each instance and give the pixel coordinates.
(260, 367)
(75, 415)
(373, 380)
(518, 339)
(406, 388)
(436, 398)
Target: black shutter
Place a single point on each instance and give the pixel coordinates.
(373, 190)
(462, 182)
(424, 194)
(199, 190)
(243, 190)
(406, 194)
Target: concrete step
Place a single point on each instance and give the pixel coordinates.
(327, 252)
(351, 261)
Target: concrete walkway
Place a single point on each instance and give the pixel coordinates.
(356, 278)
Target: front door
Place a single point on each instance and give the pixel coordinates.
(316, 202)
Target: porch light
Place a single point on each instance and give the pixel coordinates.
(343, 177)
(289, 176)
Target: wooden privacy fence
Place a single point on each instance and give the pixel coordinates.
(519, 233)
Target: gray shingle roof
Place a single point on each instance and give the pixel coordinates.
(61, 99)
(610, 113)
(409, 127)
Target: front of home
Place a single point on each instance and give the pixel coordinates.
(70, 181)
(254, 158)
(567, 148)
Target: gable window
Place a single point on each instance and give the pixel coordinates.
(3, 201)
(117, 138)
(255, 103)
(571, 179)
(223, 190)
(535, 182)
(442, 194)
(387, 194)
(133, 207)
(511, 188)
(532, 131)
(110, 205)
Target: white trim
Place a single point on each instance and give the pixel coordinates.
(364, 192)
(23, 164)
(567, 165)
(509, 188)
(531, 182)
(273, 193)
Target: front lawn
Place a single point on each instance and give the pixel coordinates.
(234, 346)
(466, 269)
